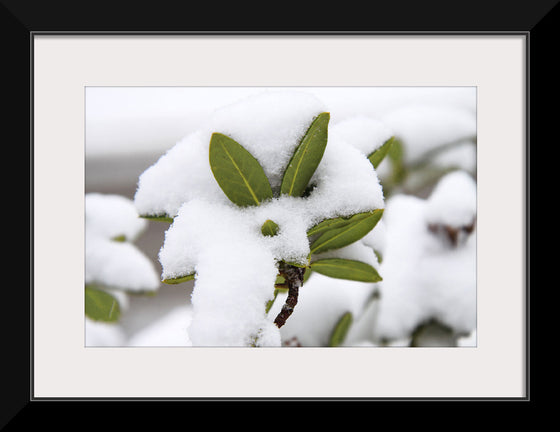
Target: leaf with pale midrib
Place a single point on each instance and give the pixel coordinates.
(341, 268)
(347, 234)
(337, 222)
(306, 157)
(237, 172)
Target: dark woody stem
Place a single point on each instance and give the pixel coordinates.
(294, 279)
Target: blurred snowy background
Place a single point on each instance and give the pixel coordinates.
(129, 128)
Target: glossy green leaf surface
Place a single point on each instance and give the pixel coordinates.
(306, 157)
(340, 268)
(238, 173)
(101, 306)
(356, 227)
(379, 154)
(269, 228)
(340, 330)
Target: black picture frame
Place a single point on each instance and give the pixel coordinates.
(20, 20)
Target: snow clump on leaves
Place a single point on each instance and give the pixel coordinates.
(218, 241)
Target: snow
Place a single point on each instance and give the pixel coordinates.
(468, 340)
(321, 303)
(235, 273)
(323, 300)
(365, 133)
(423, 276)
(461, 156)
(112, 216)
(103, 334)
(121, 121)
(453, 201)
(110, 263)
(235, 265)
(269, 126)
(169, 330)
(425, 127)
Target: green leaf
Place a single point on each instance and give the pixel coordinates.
(306, 275)
(158, 218)
(340, 268)
(379, 154)
(238, 173)
(269, 228)
(396, 156)
(180, 279)
(101, 306)
(357, 227)
(341, 330)
(119, 238)
(328, 224)
(379, 256)
(306, 157)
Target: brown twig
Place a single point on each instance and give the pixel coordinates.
(294, 279)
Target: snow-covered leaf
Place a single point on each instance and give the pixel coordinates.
(100, 305)
(306, 158)
(238, 173)
(346, 269)
(180, 279)
(342, 235)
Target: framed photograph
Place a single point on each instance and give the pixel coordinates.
(112, 102)
(107, 108)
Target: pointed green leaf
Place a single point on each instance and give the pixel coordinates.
(379, 154)
(180, 279)
(341, 330)
(357, 227)
(306, 157)
(101, 306)
(238, 173)
(269, 228)
(340, 268)
(396, 156)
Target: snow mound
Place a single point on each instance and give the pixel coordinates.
(423, 276)
(108, 262)
(235, 264)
